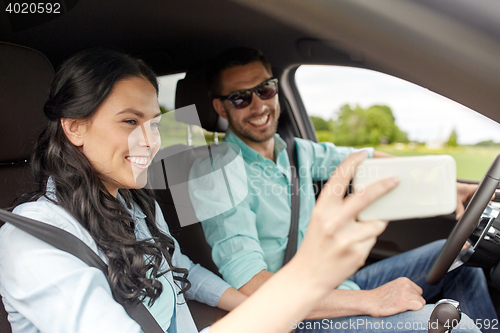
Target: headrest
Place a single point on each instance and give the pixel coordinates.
(25, 78)
(193, 89)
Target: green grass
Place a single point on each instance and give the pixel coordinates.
(472, 161)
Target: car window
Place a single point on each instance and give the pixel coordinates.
(359, 107)
(172, 131)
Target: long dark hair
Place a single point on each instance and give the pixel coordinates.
(82, 83)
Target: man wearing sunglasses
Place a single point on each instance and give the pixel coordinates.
(249, 241)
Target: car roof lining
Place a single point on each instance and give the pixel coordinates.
(399, 38)
(407, 40)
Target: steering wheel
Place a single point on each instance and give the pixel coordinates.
(469, 221)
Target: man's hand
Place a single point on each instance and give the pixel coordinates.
(394, 297)
(464, 193)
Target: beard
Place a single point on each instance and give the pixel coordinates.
(254, 135)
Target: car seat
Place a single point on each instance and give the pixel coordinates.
(178, 159)
(25, 77)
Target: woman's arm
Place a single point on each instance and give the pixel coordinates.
(53, 290)
(334, 247)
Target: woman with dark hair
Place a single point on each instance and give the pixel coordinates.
(90, 164)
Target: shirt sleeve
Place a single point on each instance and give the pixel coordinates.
(324, 157)
(54, 290)
(206, 287)
(232, 233)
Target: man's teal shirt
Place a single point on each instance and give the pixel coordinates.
(252, 236)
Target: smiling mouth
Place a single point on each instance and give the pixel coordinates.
(260, 121)
(139, 161)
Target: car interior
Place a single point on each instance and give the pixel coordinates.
(453, 50)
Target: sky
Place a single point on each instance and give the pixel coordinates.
(424, 115)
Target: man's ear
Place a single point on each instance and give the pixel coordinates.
(73, 128)
(219, 107)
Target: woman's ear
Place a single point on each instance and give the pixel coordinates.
(73, 128)
(219, 107)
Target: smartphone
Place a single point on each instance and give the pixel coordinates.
(427, 187)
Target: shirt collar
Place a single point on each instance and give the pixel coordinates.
(134, 210)
(50, 191)
(250, 153)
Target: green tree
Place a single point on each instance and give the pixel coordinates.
(452, 140)
(325, 136)
(380, 125)
(357, 126)
(320, 124)
(350, 127)
(488, 143)
(373, 126)
(401, 136)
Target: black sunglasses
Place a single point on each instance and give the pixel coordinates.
(242, 98)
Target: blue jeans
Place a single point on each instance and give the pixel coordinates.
(466, 284)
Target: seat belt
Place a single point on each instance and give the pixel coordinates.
(293, 234)
(67, 242)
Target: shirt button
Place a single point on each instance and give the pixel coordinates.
(259, 156)
(271, 166)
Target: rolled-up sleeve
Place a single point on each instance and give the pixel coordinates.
(232, 233)
(324, 157)
(236, 248)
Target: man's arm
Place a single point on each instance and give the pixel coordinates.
(228, 230)
(258, 280)
(394, 297)
(378, 154)
(464, 193)
(327, 256)
(230, 299)
(389, 299)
